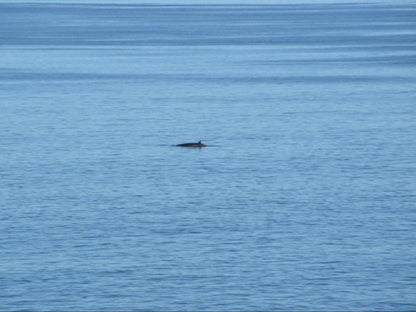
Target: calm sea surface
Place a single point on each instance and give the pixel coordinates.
(304, 200)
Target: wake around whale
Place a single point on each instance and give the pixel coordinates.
(192, 144)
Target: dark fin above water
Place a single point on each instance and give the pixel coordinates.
(192, 144)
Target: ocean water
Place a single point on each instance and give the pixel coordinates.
(304, 199)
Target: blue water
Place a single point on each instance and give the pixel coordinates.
(304, 200)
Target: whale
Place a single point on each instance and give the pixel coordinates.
(192, 144)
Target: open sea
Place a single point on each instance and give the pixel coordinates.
(303, 200)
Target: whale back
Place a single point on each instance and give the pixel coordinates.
(192, 144)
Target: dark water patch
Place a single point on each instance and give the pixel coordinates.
(132, 38)
(393, 60)
(318, 79)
